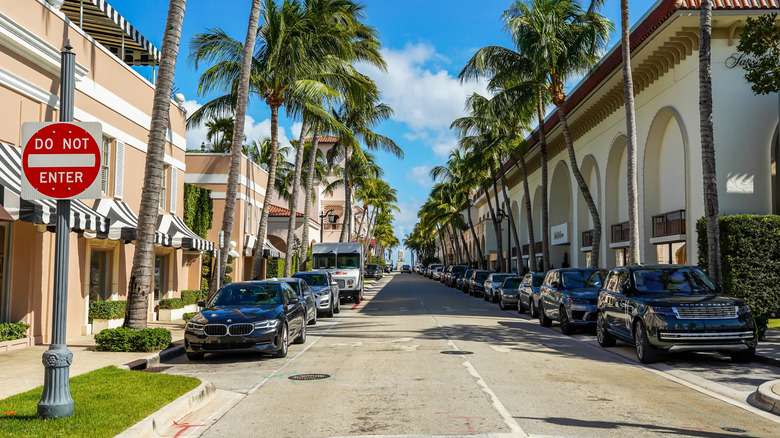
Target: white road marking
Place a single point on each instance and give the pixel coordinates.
(501, 349)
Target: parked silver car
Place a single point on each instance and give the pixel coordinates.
(508, 292)
(306, 295)
(493, 281)
(325, 289)
(529, 293)
(437, 273)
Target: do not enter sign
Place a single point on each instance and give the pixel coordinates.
(61, 160)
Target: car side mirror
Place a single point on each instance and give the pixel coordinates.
(201, 303)
(625, 288)
(555, 284)
(294, 300)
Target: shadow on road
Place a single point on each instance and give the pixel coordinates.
(644, 428)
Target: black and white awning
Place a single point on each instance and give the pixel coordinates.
(251, 241)
(39, 211)
(124, 222)
(180, 235)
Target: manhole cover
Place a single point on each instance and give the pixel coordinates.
(309, 376)
(733, 429)
(457, 352)
(155, 369)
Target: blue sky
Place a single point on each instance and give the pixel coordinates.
(425, 43)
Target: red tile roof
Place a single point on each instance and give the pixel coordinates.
(730, 4)
(325, 139)
(276, 211)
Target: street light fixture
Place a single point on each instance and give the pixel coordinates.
(323, 215)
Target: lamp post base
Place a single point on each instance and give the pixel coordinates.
(56, 401)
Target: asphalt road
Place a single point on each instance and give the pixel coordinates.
(387, 376)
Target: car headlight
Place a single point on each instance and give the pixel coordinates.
(195, 328)
(659, 310)
(349, 282)
(271, 323)
(743, 309)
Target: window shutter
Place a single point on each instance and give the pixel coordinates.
(119, 169)
(247, 216)
(173, 189)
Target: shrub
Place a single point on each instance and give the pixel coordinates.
(10, 331)
(171, 303)
(750, 256)
(107, 310)
(192, 296)
(187, 316)
(125, 339)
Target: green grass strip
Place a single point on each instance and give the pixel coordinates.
(774, 323)
(106, 402)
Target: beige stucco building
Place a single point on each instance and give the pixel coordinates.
(109, 91)
(665, 65)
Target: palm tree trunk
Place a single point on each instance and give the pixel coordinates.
(344, 237)
(441, 244)
(545, 210)
(511, 219)
(296, 189)
(531, 244)
(307, 196)
(139, 286)
(362, 219)
(238, 140)
(476, 240)
(708, 144)
(456, 245)
(496, 227)
(575, 169)
(631, 165)
(499, 234)
(269, 192)
(465, 249)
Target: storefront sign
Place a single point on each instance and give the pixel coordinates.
(738, 60)
(560, 234)
(61, 160)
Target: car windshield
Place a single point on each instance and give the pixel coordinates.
(481, 276)
(323, 261)
(313, 279)
(294, 285)
(597, 279)
(247, 295)
(512, 283)
(372, 267)
(498, 279)
(574, 279)
(672, 280)
(350, 260)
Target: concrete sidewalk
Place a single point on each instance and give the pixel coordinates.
(22, 370)
(768, 352)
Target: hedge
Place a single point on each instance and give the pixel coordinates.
(171, 303)
(107, 310)
(192, 296)
(125, 339)
(11, 331)
(198, 209)
(188, 316)
(750, 256)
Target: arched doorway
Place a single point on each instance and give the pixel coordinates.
(665, 191)
(616, 228)
(560, 216)
(590, 172)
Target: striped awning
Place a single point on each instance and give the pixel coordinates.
(42, 211)
(180, 235)
(103, 23)
(124, 222)
(251, 241)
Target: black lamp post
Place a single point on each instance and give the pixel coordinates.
(322, 218)
(500, 215)
(452, 245)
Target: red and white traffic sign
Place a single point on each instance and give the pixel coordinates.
(61, 160)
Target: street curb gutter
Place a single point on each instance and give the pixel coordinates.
(767, 399)
(154, 359)
(766, 360)
(154, 424)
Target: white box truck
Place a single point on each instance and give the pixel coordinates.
(345, 262)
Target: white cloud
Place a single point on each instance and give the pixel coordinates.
(419, 175)
(407, 217)
(252, 130)
(425, 97)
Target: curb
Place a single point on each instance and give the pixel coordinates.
(766, 360)
(154, 424)
(767, 399)
(160, 356)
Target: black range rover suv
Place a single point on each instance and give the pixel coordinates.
(672, 308)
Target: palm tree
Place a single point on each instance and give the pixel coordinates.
(566, 40)
(217, 134)
(360, 116)
(628, 87)
(236, 145)
(139, 286)
(708, 143)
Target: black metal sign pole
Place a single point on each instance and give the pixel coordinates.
(56, 401)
